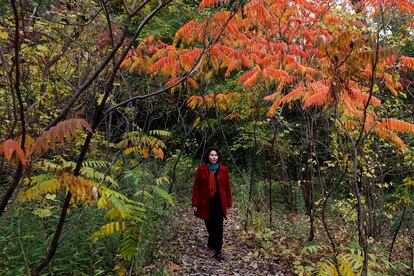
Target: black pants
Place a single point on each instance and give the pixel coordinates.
(215, 224)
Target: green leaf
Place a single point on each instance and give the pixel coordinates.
(51, 197)
(164, 194)
(43, 213)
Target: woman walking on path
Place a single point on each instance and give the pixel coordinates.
(212, 197)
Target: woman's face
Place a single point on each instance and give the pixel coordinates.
(213, 157)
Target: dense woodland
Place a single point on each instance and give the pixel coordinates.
(107, 106)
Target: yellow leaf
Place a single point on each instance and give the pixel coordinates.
(3, 35)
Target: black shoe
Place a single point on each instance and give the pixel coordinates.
(219, 257)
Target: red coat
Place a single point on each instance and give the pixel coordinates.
(200, 191)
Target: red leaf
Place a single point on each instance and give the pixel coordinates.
(11, 146)
(251, 79)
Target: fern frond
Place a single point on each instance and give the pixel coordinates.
(160, 133)
(162, 180)
(109, 229)
(164, 194)
(327, 268)
(96, 164)
(48, 185)
(346, 263)
(129, 246)
(65, 130)
(112, 199)
(311, 249)
(34, 180)
(115, 213)
(51, 166)
(91, 173)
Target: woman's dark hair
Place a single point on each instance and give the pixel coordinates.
(207, 153)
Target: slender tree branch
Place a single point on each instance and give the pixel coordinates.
(394, 239)
(19, 171)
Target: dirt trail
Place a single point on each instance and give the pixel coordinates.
(238, 249)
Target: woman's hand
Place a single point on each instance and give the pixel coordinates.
(195, 208)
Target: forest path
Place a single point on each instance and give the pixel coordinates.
(238, 249)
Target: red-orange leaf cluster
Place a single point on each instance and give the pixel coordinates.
(317, 52)
(10, 147)
(65, 130)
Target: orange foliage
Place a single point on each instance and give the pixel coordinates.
(172, 81)
(222, 101)
(189, 59)
(317, 99)
(386, 134)
(362, 98)
(407, 61)
(295, 94)
(397, 125)
(251, 79)
(10, 147)
(80, 188)
(165, 65)
(65, 130)
(310, 50)
(210, 3)
(186, 33)
(276, 74)
(192, 82)
(232, 115)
